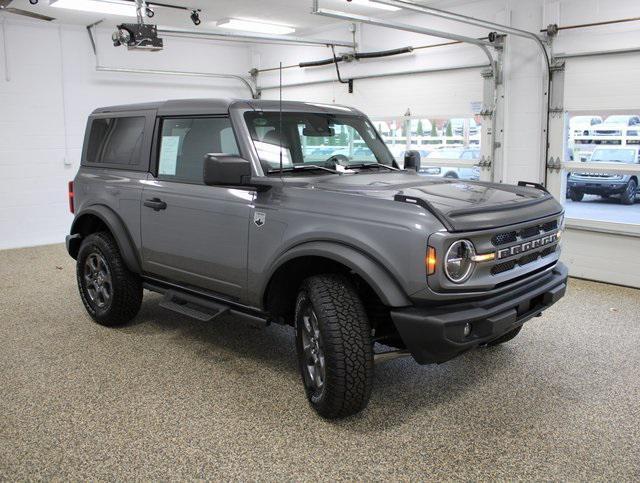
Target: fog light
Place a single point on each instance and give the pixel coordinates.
(467, 329)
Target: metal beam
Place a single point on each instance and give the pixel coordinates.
(252, 37)
(377, 76)
(400, 26)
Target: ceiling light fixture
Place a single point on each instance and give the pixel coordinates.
(374, 4)
(254, 26)
(111, 7)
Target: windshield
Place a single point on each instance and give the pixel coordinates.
(315, 139)
(615, 155)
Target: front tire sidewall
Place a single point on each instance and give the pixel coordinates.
(314, 396)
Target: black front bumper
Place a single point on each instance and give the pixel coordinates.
(598, 187)
(435, 333)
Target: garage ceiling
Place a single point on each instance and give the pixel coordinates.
(295, 13)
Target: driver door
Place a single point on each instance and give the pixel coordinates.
(193, 233)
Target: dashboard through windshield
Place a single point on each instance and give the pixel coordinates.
(315, 139)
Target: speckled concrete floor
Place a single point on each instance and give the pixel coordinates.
(171, 398)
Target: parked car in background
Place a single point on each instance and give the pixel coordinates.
(471, 172)
(581, 125)
(618, 125)
(606, 185)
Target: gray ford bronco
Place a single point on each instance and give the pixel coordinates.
(296, 213)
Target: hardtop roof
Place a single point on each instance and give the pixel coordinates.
(222, 106)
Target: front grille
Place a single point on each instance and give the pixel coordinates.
(522, 235)
(503, 267)
(530, 231)
(504, 238)
(526, 232)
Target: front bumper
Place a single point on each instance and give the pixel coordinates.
(601, 187)
(435, 333)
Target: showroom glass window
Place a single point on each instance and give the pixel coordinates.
(596, 137)
(184, 143)
(115, 141)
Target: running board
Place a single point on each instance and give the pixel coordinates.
(192, 306)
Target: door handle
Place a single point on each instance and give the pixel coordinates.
(156, 203)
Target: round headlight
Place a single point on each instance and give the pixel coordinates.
(458, 262)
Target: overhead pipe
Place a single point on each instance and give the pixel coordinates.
(356, 56)
(505, 29)
(99, 68)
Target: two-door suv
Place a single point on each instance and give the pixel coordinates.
(296, 213)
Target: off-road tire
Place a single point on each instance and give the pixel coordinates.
(505, 338)
(345, 335)
(576, 195)
(126, 286)
(628, 197)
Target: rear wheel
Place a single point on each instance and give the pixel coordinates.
(629, 195)
(335, 350)
(110, 292)
(576, 195)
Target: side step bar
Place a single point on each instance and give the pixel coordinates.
(200, 306)
(193, 306)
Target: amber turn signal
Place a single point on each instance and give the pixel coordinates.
(430, 260)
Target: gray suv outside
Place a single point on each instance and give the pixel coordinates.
(216, 205)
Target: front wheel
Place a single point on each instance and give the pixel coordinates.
(629, 195)
(110, 292)
(334, 345)
(576, 195)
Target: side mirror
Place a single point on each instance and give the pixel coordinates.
(225, 170)
(412, 160)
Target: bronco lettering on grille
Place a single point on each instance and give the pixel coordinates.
(527, 246)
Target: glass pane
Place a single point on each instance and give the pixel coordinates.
(115, 140)
(185, 142)
(603, 137)
(314, 139)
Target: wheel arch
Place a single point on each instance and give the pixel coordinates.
(102, 218)
(314, 258)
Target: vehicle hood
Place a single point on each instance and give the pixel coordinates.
(609, 125)
(459, 205)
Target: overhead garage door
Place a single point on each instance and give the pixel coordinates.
(602, 99)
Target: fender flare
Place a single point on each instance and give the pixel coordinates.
(118, 229)
(379, 279)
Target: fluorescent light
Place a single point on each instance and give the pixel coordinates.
(254, 26)
(374, 4)
(108, 7)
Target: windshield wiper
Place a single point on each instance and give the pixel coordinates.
(380, 165)
(303, 167)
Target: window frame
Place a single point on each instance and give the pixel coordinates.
(157, 141)
(143, 159)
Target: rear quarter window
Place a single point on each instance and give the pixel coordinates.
(115, 141)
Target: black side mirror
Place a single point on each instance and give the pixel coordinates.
(412, 160)
(226, 170)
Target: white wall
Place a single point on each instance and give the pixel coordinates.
(47, 92)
